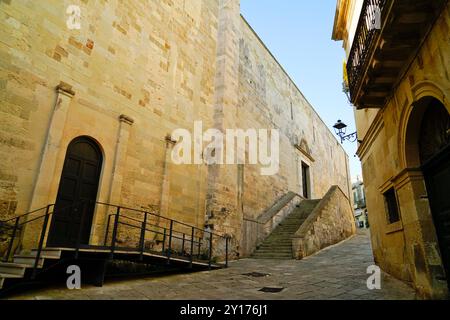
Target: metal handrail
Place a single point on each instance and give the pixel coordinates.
(25, 214)
(171, 232)
(152, 225)
(158, 216)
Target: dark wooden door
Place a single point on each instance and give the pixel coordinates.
(437, 177)
(305, 179)
(75, 203)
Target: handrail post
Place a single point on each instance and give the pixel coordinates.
(142, 240)
(182, 245)
(164, 241)
(169, 251)
(114, 235)
(199, 247)
(226, 252)
(192, 249)
(107, 230)
(80, 231)
(41, 242)
(11, 244)
(210, 249)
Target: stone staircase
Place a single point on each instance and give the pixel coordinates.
(279, 243)
(23, 264)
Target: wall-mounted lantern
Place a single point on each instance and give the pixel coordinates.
(341, 129)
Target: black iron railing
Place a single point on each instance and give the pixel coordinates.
(125, 229)
(370, 21)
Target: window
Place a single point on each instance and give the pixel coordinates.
(392, 206)
(292, 112)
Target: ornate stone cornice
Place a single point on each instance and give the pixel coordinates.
(305, 152)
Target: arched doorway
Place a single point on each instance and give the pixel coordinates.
(434, 154)
(75, 203)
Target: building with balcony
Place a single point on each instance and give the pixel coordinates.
(398, 79)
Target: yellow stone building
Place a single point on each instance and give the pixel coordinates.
(398, 58)
(91, 92)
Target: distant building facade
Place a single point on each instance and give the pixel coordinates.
(359, 203)
(398, 79)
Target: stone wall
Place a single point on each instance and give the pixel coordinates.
(136, 71)
(153, 61)
(407, 249)
(268, 98)
(331, 222)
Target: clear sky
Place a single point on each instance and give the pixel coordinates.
(298, 33)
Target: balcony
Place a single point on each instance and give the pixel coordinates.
(388, 37)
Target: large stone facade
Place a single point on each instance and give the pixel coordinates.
(389, 153)
(133, 73)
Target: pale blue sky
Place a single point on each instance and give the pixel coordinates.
(298, 33)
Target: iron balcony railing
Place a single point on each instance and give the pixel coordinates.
(369, 24)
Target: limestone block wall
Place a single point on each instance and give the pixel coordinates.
(407, 249)
(268, 98)
(331, 222)
(133, 73)
(153, 61)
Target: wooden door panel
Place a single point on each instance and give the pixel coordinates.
(79, 183)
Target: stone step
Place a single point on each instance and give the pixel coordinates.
(5, 276)
(284, 233)
(30, 260)
(49, 253)
(286, 242)
(273, 252)
(271, 256)
(280, 237)
(275, 248)
(288, 226)
(288, 229)
(278, 244)
(13, 268)
(270, 252)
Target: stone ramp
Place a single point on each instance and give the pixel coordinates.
(278, 244)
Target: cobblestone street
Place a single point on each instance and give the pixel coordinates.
(338, 272)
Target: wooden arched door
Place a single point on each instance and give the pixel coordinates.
(434, 143)
(77, 193)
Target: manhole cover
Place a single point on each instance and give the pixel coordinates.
(271, 289)
(256, 274)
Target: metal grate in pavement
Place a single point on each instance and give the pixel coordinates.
(271, 289)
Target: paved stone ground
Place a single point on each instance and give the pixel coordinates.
(338, 272)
